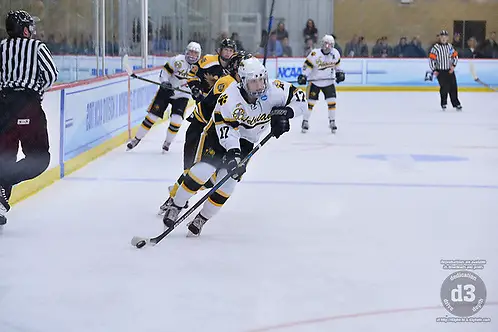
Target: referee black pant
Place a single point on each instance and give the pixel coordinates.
(448, 85)
(22, 120)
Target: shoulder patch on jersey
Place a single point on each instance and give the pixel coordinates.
(178, 64)
(222, 100)
(313, 53)
(278, 84)
(194, 69)
(222, 83)
(208, 60)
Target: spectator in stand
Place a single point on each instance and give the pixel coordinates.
(356, 47)
(382, 48)
(112, 47)
(400, 49)
(238, 42)
(264, 37)
(274, 46)
(281, 32)
(414, 49)
(471, 51)
(457, 42)
(490, 47)
(287, 50)
(310, 31)
(308, 46)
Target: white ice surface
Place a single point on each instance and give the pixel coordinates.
(314, 238)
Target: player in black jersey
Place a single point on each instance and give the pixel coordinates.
(200, 117)
(210, 68)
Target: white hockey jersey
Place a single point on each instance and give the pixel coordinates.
(234, 118)
(175, 71)
(319, 66)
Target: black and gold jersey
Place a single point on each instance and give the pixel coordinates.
(204, 109)
(206, 72)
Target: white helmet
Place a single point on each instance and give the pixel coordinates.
(193, 52)
(328, 43)
(253, 77)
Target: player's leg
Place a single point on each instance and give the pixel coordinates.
(213, 204)
(196, 176)
(208, 158)
(192, 137)
(330, 97)
(178, 107)
(313, 92)
(215, 201)
(155, 112)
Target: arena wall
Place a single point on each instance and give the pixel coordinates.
(424, 18)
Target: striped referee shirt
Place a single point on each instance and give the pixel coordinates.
(442, 57)
(26, 64)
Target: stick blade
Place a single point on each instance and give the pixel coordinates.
(126, 65)
(473, 71)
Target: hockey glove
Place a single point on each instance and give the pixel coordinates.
(301, 79)
(232, 161)
(167, 89)
(166, 86)
(279, 122)
(197, 94)
(340, 76)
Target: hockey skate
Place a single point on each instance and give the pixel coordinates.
(166, 145)
(195, 226)
(131, 144)
(459, 108)
(332, 126)
(4, 206)
(168, 202)
(171, 213)
(164, 206)
(443, 107)
(304, 126)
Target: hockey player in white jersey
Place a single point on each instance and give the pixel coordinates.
(322, 68)
(173, 75)
(242, 114)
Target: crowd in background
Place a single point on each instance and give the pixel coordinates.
(160, 43)
(278, 45)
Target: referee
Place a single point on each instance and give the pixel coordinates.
(27, 70)
(443, 59)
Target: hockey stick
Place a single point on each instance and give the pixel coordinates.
(127, 67)
(474, 76)
(140, 242)
(317, 80)
(270, 22)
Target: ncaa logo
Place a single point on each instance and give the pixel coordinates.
(264, 98)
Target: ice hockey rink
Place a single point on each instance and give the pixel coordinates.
(326, 232)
